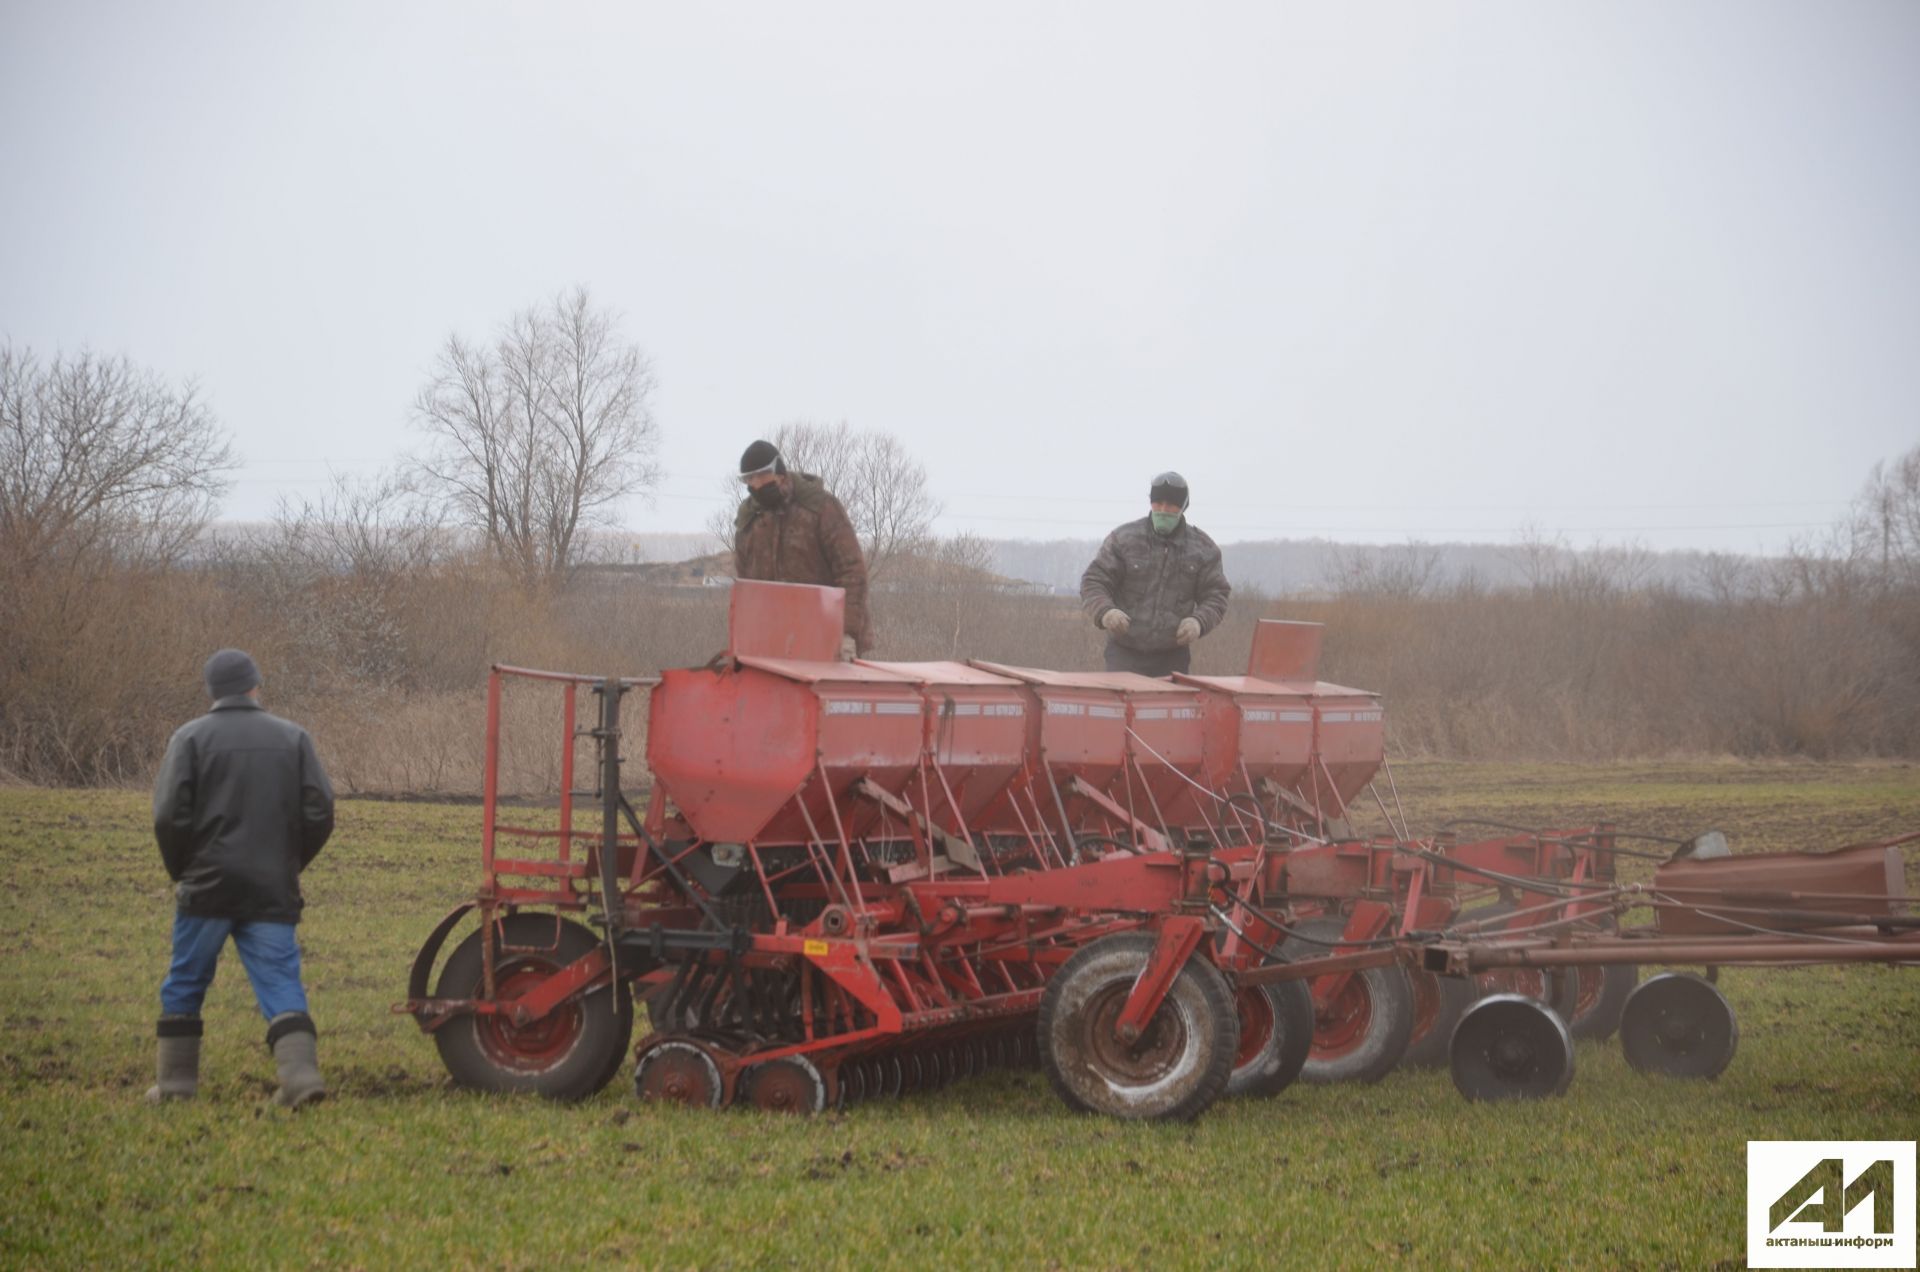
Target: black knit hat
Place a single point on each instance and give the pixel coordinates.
(762, 457)
(1169, 487)
(228, 673)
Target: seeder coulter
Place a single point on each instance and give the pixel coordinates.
(854, 880)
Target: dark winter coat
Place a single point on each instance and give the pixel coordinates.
(1156, 580)
(810, 540)
(240, 808)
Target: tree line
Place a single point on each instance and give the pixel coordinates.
(376, 607)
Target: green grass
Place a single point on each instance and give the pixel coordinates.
(400, 1169)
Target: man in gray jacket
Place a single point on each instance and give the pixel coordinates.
(240, 808)
(1156, 586)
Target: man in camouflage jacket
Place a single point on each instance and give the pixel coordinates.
(1156, 586)
(790, 529)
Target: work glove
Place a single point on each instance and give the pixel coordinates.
(848, 648)
(1115, 620)
(1187, 632)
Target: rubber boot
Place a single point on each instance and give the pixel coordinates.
(177, 1070)
(291, 1037)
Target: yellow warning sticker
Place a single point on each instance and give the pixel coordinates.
(815, 947)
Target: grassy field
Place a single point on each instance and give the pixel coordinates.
(398, 1169)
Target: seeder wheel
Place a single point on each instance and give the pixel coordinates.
(853, 1083)
(1678, 1025)
(1438, 1004)
(679, 1073)
(568, 1054)
(1511, 1047)
(891, 1076)
(1599, 995)
(790, 1084)
(916, 1072)
(1362, 1032)
(1177, 1067)
(1588, 998)
(1276, 1032)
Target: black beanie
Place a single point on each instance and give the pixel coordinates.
(1168, 488)
(757, 456)
(230, 672)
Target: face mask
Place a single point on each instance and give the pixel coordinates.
(1164, 522)
(770, 496)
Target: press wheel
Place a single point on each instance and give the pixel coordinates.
(679, 1073)
(1511, 1047)
(790, 1084)
(1680, 1026)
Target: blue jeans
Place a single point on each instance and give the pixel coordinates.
(267, 950)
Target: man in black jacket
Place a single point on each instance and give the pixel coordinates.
(240, 808)
(1156, 585)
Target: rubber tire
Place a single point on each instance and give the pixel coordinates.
(1391, 996)
(1600, 1021)
(605, 1027)
(1199, 995)
(1274, 1069)
(1430, 1050)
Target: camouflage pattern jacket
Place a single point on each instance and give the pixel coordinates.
(1156, 580)
(808, 541)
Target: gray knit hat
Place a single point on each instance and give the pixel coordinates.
(230, 672)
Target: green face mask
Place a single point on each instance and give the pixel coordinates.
(1164, 522)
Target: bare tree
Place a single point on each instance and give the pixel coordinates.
(1884, 528)
(883, 488)
(1398, 571)
(340, 571)
(536, 438)
(99, 453)
(372, 528)
(107, 474)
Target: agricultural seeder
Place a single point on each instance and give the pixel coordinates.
(854, 880)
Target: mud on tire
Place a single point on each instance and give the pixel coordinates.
(1181, 1062)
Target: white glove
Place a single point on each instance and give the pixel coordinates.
(848, 648)
(1187, 632)
(1115, 620)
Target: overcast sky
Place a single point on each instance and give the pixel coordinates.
(1628, 271)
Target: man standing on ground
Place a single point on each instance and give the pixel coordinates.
(790, 529)
(1156, 586)
(240, 808)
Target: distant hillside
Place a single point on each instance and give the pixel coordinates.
(1277, 566)
(1295, 566)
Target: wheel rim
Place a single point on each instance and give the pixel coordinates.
(1155, 1055)
(1256, 1026)
(1527, 982)
(1340, 1027)
(539, 1044)
(1589, 983)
